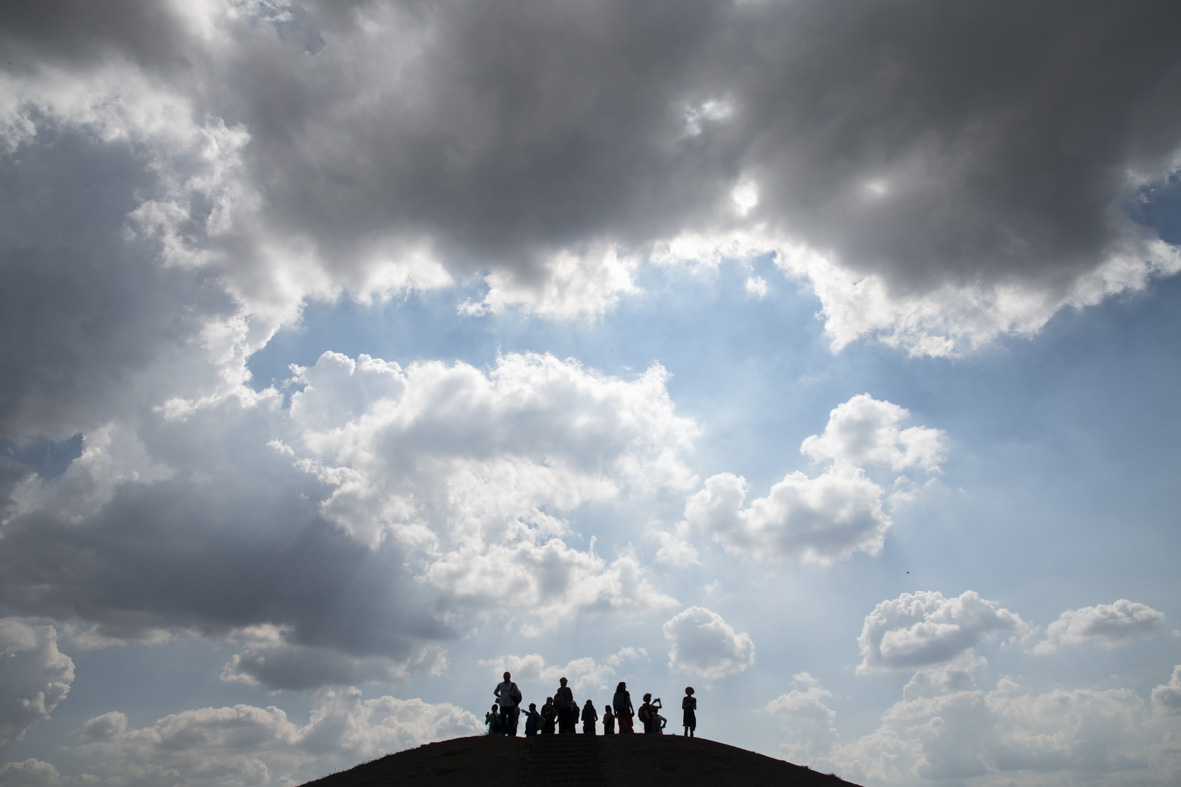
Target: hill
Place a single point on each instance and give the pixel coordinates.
(579, 760)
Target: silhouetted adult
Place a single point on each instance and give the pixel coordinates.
(689, 706)
(608, 720)
(532, 720)
(566, 708)
(509, 697)
(622, 703)
(650, 715)
(548, 717)
(589, 717)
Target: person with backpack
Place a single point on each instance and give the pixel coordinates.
(650, 717)
(509, 697)
(622, 703)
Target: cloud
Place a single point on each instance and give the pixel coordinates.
(808, 724)
(496, 448)
(584, 674)
(29, 773)
(932, 198)
(1109, 625)
(1008, 735)
(247, 745)
(925, 629)
(37, 676)
(865, 431)
(823, 518)
(820, 520)
(438, 489)
(1168, 695)
(704, 644)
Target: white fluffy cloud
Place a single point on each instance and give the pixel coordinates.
(1005, 736)
(865, 431)
(492, 448)
(1168, 695)
(809, 725)
(1109, 625)
(704, 644)
(584, 674)
(246, 745)
(37, 676)
(822, 518)
(925, 628)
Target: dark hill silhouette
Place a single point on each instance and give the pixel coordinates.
(568, 760)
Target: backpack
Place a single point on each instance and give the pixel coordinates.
(645, 714)
(515, 693)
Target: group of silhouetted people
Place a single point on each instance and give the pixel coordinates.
(561, 712)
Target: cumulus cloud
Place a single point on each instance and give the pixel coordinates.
(865, 431)
(438, 489)
(495, 447)
(934, 197)
(822, 518)
(584, 674)
(37, 676)
(1168, 695)
(1007, 735)
(808, 723)
(247, 745)
(923, 629)
(1109, 625)
(704, 644)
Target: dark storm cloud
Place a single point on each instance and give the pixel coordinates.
(232, 540)
(999, 136)
(86, 312)
(923, 142)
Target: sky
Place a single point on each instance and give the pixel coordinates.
(821, 356)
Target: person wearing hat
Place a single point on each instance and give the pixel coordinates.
(689, 706)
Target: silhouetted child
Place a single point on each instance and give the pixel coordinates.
(589, 717)
(608, 720)
(492, 719)
(689, 706)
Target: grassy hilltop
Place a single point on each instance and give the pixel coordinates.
(577, 760)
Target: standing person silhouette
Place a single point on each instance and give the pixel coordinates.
(622, 702)
(689, 706)
(589, 717)
(509, 697)
(548, 717)
(608, 720)
(532, 720)
(567, 709)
